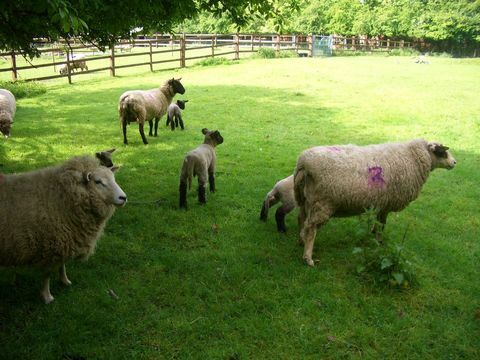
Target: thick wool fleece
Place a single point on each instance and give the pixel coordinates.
(48, 216)
(8, 108)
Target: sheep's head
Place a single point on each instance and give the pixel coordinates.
(441, 158)
(5, 125)
(63, 70)
(212, 137)
(176, 85)
(181, 104)
(102, 185)
(105, 157)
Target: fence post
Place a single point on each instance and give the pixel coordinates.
(69, 68)
(277, 44)
(401, 43)
(112, 59)
(252, 40)
(310, 45)
(182, 51)
(14, 67)
(151, 56)
(237, 46)
(213, 46)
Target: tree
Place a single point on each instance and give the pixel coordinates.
(102, 22)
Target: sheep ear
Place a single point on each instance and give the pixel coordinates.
(98, 155)
(185, 101)
(111, 150)
(88, 176)
(114, 168)
(179, 79)
(204, 131)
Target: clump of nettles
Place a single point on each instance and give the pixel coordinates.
(383, 263)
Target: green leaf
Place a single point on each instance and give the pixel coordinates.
(386, 262)
(357, 250)
(399, 278)
(360, 269)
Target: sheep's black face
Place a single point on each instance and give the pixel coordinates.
(177, 86)
(5, 128)
(441, 158)
(181, 104)
(212, 137)
(105, 158)
(215, 135)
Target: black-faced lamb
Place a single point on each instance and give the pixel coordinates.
(146, 105)
(174, 112)
(200, 162)
(105, 157)
(338, 181)
(8, 108)
(55, 214)
(282, 192)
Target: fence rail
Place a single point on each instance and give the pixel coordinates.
(162, 49)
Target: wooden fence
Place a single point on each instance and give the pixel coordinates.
(151, 48)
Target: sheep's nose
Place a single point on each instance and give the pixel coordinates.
(123, 198)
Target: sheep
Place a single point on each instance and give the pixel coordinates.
(146, 105)
(105, 157)
(8, 108)
(200, 162)
(338, 181)
(55, 214)
(175, 112)
(77, 62)
(281, 192)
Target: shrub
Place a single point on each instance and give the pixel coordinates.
(212, 61)
(24, 89)
(266, 53)
(404, 52)
(287, 54)
(383, 264)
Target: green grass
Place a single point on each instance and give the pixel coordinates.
(214, 282)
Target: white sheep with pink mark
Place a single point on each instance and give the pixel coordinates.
(339, 181)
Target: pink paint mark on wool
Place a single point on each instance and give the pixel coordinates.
(334, 149)
(375, 176)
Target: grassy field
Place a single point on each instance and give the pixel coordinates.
(214, 282)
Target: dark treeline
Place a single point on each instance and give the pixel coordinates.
(447, 25)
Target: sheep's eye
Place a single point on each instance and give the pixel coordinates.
(99, 182)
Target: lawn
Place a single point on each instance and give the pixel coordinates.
(214, 282)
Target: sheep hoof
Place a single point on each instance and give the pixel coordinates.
(309, 262)
(47, 298)
(66, 282)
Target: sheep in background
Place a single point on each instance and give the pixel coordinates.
(8, 108)
(200, 162)
(55, 214)
(337, 181)
(175, 112)
(140, 106)
(77, 62)
(281, 192)
(105, 157)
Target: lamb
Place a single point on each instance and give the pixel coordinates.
(76, 63)
(200, 162)
(175, 112)
(8, 108)
(281, 192)
(140, 106)
(338, 181)
(55, 214)
(105, 157)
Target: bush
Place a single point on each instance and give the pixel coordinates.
(212, 61)
(24, 89)
(287, 54)
(404, 52)
(266, 53)
(384, 264)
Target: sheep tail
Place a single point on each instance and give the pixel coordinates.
(299, 187)
(130, 110)
(187, 172)
(266, 204)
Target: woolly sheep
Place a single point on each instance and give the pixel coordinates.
(77, 62)
(337, 181)
(140, 106)
(55, 214)
(7, 111)
(200, 162)
(175, 112)
(282, 192)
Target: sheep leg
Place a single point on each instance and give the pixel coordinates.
(301, 221)
(202, 181)
(45, 291)
(183, 194)
(380, 226)
(211, 181)
(168, 120)
(181, 122)
(280, 214)
(140, 128)
(317, 216)
(272, 200)
(124, 127)
(150, 124)
(156, 126)
(63, 276)
(172, 123)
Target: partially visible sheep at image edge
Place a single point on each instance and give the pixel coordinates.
(338, 181)
(146, 105)
(8, 108)
(281, 192)
(200, 162)
(105, 157)
(51, 215)
(174, 112)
